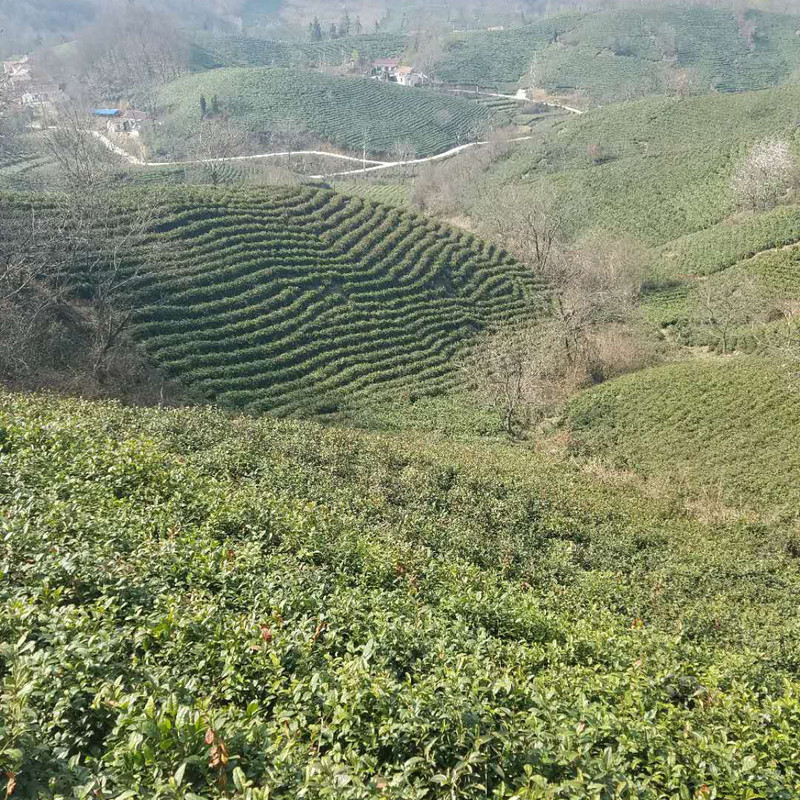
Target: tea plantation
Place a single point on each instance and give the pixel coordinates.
(664, 168)
(616, 55)
(301, 300)
(199, 606)
(347, 112)
(730, 426)
(212, 51)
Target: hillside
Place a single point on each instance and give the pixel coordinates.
(303, 300)
(342, 111)
(657, 171)
(210, 606)
(729, 426)
(615, 55)
(210, 51)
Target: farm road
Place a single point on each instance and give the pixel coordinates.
(374, 165)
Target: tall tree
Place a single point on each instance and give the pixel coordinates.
(315, 30)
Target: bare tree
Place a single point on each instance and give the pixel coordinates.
(131, 47)
(68, 261)
(594, 285)
(402, 153)
(5, 105)
(515, 370)
(81, 157)
(216, 146)
(528, 223)
(726, 302)
(765, 175)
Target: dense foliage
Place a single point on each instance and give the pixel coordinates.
(352, 113)
(615, 55)
(728, 425)
(194, 606)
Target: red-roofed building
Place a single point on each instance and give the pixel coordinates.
(389, 69)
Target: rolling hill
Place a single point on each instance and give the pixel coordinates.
(729, 426)
(614, 55)
(658, 171)
(348, 112)
(302, 300)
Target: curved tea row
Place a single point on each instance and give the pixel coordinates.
(294, 299)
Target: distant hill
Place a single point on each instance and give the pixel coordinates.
(342, 111)
(212, 51)
(302, 299)
(657, 170)
(622, 54)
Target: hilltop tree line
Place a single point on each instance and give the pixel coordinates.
(346, 27)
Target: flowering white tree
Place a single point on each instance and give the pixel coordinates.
(765, 175)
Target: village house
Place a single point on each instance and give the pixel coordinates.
(118, 121)
(389, 70)
(384, 68)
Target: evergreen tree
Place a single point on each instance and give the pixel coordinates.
(344, 25)
(203, 106)
(316, 30)
(359, 26)
(333, 32)
(214, 105)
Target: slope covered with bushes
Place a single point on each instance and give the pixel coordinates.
(212, 51)
(730, 426)
(352, 113)
(616, 55)
(198, 606)
(302, 299)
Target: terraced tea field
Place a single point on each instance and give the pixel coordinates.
(390, 194)
(498, 59)
(304, 300)
(729, 426)
(347, 112)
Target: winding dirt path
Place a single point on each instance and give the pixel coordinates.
(374, 165)
(520, 97)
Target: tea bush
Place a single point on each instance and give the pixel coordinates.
(200, 606)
